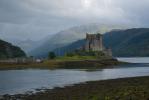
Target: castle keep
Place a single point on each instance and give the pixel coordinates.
(94, 42)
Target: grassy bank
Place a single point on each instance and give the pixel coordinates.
(116, 89)
(84, 62)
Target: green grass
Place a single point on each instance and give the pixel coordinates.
(77, 58)
(82, 62)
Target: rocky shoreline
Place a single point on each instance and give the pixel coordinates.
(136, 88)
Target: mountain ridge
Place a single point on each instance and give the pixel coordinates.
(66, 37)
(124, 43)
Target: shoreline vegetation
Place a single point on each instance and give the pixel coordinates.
(76, 62)
(135, 88)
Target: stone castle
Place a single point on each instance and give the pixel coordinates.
(94, 42)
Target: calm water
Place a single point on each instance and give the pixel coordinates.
(135, 59)
(21, 81)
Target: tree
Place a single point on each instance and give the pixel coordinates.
(52, 55)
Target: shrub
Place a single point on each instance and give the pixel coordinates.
(51, 55)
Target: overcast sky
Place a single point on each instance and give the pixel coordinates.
(35, 19)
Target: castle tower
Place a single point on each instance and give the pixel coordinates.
(94, 42)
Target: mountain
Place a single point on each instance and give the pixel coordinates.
(8, 50)
(66, 37)
(27, 45)
(131, 42)
(69, 48)
(124, 43)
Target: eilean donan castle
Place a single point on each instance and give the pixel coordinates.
(94, 42)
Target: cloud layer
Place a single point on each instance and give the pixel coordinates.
(35, 19)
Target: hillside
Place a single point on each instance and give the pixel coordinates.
(69, 48)
(131, 42)
(66, 37)
(7, 50)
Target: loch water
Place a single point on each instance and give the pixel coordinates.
(22, 81)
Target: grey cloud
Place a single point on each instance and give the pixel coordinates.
(30, 18)
(13, 11)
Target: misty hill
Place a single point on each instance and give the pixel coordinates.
(69, 48)
(66, 37)
(7, 50)
(26, 45)
(131, 42)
